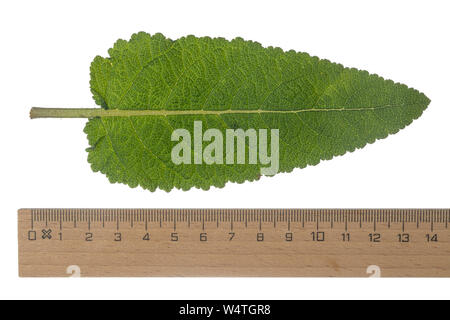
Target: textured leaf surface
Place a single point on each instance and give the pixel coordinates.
(321, 109)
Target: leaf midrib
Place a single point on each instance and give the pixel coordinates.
(99, 112)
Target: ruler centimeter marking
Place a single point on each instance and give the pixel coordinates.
(234, 242)
(318, 216)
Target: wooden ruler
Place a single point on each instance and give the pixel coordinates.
(234, 242)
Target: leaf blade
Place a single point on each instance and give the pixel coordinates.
(321, 109)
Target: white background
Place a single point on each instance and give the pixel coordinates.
(45, 51)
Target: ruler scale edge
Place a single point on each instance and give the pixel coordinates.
(234, 242)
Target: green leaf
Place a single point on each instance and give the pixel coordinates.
(150, 86)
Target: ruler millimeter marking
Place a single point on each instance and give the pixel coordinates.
(234, 242)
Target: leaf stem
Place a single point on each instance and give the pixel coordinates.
(65, 113)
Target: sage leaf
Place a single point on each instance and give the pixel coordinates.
(172, 109)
